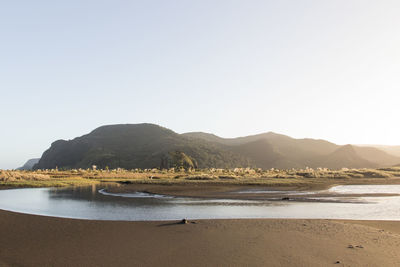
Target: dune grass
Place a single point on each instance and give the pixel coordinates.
(42, 179)
(248, 176)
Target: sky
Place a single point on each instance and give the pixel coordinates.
(319, 69)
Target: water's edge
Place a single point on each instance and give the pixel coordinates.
(96, 203)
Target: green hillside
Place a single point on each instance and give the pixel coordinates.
(132, 146)
(135, 146)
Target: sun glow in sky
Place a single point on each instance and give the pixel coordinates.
(319, 69)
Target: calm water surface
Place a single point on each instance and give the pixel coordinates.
(97, 203)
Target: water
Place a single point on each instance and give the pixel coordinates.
(365, 189)
(97, 203)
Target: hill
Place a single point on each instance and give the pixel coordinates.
(347, 157)
(136, 146)
(281, 151)
(29, 164)
(151, 146)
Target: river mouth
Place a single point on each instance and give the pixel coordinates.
(357, 202)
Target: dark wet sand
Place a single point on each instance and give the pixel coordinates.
(226, 191)
(30, 240)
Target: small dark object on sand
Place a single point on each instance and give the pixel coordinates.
(359, 246)
(350, 246)
(184, 221)
(285, 198)
(337, 262)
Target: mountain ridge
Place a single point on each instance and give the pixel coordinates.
(151, 146)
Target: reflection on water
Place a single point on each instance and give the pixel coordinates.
(133, 194)
(96, 203)
(365, 189)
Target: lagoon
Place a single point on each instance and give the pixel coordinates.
(97, 203)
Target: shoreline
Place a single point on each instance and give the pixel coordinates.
(32, 240)
(238, 192)
(310, 192)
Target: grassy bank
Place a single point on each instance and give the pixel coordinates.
(272, 177)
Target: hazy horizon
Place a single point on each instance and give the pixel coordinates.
(307, 69)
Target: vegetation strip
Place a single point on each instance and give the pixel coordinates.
(239, 176)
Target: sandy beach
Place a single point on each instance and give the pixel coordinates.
(30, 240)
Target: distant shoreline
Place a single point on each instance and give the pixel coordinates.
(223, 191)
(181, 185)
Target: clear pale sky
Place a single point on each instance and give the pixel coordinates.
(319, 69)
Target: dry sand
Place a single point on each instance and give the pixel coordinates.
(30, 240)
